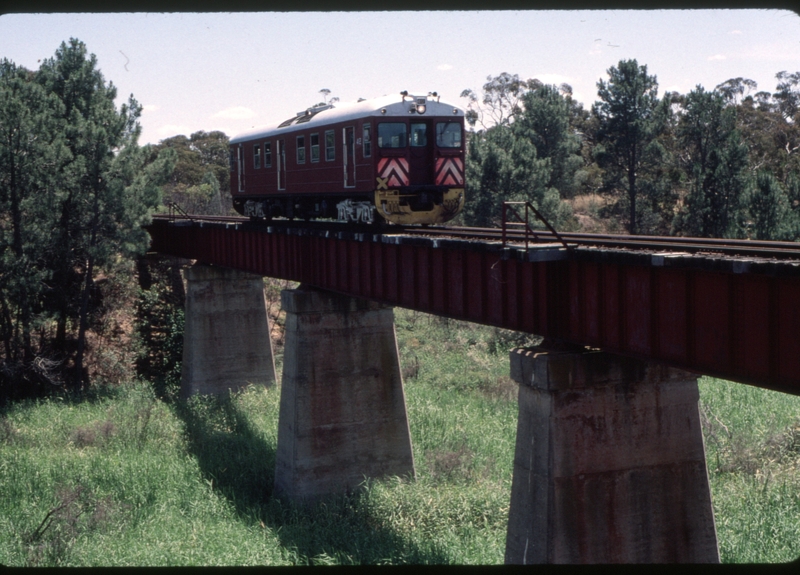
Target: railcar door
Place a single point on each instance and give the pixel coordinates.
(420, 161)
(281, 164)
(349, 142)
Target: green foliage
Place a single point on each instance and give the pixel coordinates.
(175, 483)
(159, 326)
(545, 122)
(716, 159)
(76, 190)
(200, 182)
(31, 153)
(527, 155)
(501, 100)
(787, 95)
(116, 477)
(773, 141)
(630, 120)
(752, 439)
(769, 208)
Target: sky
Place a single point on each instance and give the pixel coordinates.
(237, 71)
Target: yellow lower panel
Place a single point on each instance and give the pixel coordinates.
(389, 206)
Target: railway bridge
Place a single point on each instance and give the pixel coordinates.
(609, 463)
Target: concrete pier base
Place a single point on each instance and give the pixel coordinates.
(609, 465)
(226, 342)
(342, 412)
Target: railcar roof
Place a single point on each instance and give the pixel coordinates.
(341, 112)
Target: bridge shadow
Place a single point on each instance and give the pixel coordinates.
(239, 463)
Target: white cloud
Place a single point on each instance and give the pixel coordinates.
(717, 57)
(235, 113)
(735, 32)
(150, 108)
(444, 67)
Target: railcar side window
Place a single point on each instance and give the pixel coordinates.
(419, 136)
(367, 140)
(392, 135)
(256, 156)
(448, 135)
(267, 155)
(315, 147)
(330, 146)
(301, 149)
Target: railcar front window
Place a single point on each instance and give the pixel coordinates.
(419, 135)
(392, 135)
(448, 135)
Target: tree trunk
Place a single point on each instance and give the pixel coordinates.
(17, 247)
(80, 382)
(632, 192)
(83, 323)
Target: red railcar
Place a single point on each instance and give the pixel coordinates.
(400, 157)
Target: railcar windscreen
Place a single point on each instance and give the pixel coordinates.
(419, 135)
(392, 135)
(448, 135)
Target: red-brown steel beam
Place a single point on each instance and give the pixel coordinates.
(729, 318)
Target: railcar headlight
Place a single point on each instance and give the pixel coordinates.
(421, 108)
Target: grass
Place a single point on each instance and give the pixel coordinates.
(121, 478)
(752, 439)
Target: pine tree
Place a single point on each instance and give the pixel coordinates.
(716, 160)
(104, 194)
(630, 118)
(31, 154)
(545, 122)
(769, 208)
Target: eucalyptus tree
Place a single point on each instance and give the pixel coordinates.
(735, 90)
(501, 101)
(787, 94)
(200, 158)
(523, 151)
(630, 117)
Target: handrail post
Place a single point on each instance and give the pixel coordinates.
(529, 231)
(527, 225)
(505, 205)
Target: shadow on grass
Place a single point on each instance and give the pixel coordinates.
(240, 464)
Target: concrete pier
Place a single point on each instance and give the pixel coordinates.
(609, 464)
(226, 342)
(342, 412)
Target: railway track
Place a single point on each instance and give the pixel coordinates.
(769, 250)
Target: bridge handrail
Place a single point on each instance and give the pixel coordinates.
(175, 208)
(509, 209)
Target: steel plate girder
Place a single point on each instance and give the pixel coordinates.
(738, 326)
